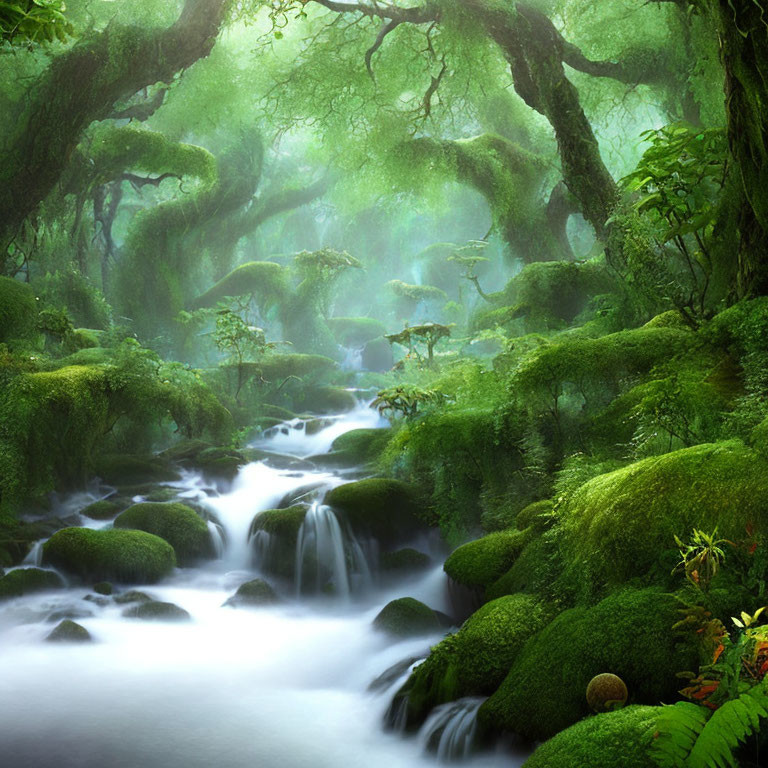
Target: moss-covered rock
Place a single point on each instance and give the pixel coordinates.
(123, 556)
(606, 692)
(132, 596)
(24, 581)
(103, 588)
(179, 525)
(475, 660)
(406, 617)
(609, 740)
(537, 515)
(253, 593)
(385, 509)
(377, 355)
(104, 509)
(18, 310)
(355, 331)
(123, 469)
(628, 634)
(479, 563)
(362, 446)
(403, 561)
(68, 631)
(155, 610)
(622, 525)
(326, 400)
(274, 533)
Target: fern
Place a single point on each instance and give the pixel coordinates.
(691, 736)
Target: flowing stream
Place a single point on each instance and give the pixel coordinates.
(283, 686)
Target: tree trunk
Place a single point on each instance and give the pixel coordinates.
(81, 86)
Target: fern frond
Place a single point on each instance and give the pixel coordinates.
(679, 727)
(729, 725)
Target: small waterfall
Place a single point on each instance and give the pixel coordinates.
(261, 546)
(35, 555)
(451, 729)
(217, 537)
(353, 358)
(328, 558)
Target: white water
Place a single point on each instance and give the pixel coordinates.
(284, 686)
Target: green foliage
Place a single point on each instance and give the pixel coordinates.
(692, 736)
(25, 22)
(406, 400)
(702, 557)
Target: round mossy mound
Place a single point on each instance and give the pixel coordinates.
(24, 581)
(123, 556)
(155, 610)
(609, 740)
(69, 631)
(481, 562)
(384, 509)
(253, 593)
(179, 525)
(101, 510)
(362, 446)
(622, 525)
(406, 617)
(628, 633)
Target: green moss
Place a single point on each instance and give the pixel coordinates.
(355, 331)
(481, 562)
(252, 593)
(101, 510)
(474, 661)
(129, 557)
(121, 469)
(264, 279)
(670, 319)
(628, 634)
(619, 526)
(277, 367)
(406, 617)
(388, 510)
(18, 310)
(365, 445)
(613, 739)
(179, 525)
(68, 631)
(538, 514)
(282, 526)
(24, 581)
(326, 400)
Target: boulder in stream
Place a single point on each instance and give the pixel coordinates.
(155, 610)
(24, 581)
(407, 617)
(69, 631)
(176, 523)
(253, 593)
(123, 556)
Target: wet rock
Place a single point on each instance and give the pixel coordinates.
(132, 596)
(407, 617)
(403, 561)
(103, 588)
(99, 600)
(155, 610)
(253, 593)
(101, 510)
(69, 632)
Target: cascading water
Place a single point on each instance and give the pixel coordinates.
(282, 686)
(328, 559)
(450, 730)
